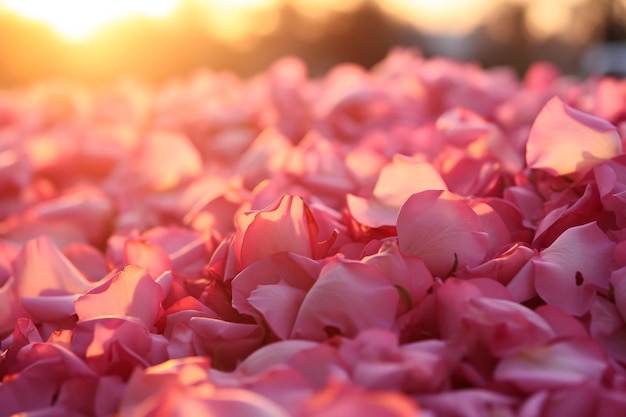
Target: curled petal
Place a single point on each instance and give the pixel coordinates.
(505, 265)
(564, 140)
(287, 225)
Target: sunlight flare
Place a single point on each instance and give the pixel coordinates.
(77, 20)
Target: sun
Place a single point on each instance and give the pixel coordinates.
(78, 19)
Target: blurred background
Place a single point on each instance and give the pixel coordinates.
(156, 40)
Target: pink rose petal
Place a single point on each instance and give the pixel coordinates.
(564, 140)
(345, 400)
(552, 366)
(225, 342)
(392, 190)
(153, 258)
(183, 161)
(46, 281)
(571, 270)
(293, 270)
(285, 226)
(347, 297)
(131, 292)
(442, 230)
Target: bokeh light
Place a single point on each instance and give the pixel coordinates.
(77, 20)
(156, 40)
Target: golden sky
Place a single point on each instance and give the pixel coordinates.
(96, 41)
(77, 20)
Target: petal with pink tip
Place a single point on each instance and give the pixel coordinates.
(443, 230)
(564, 140)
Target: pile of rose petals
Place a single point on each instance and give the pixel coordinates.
(428, 238)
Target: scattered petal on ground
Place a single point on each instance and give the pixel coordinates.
(425, 238)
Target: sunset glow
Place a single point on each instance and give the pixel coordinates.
(77, 20)
(450, 16)
(236, 20)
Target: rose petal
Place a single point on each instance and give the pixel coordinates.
(553, 366)
(279, 304)
(391, 190)
(564, 140)
(443, 231)
(348, 296)
(41, 269)
(166, 159)
(285, 226)
(131, 292)
(569, 272)
(294, 270)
